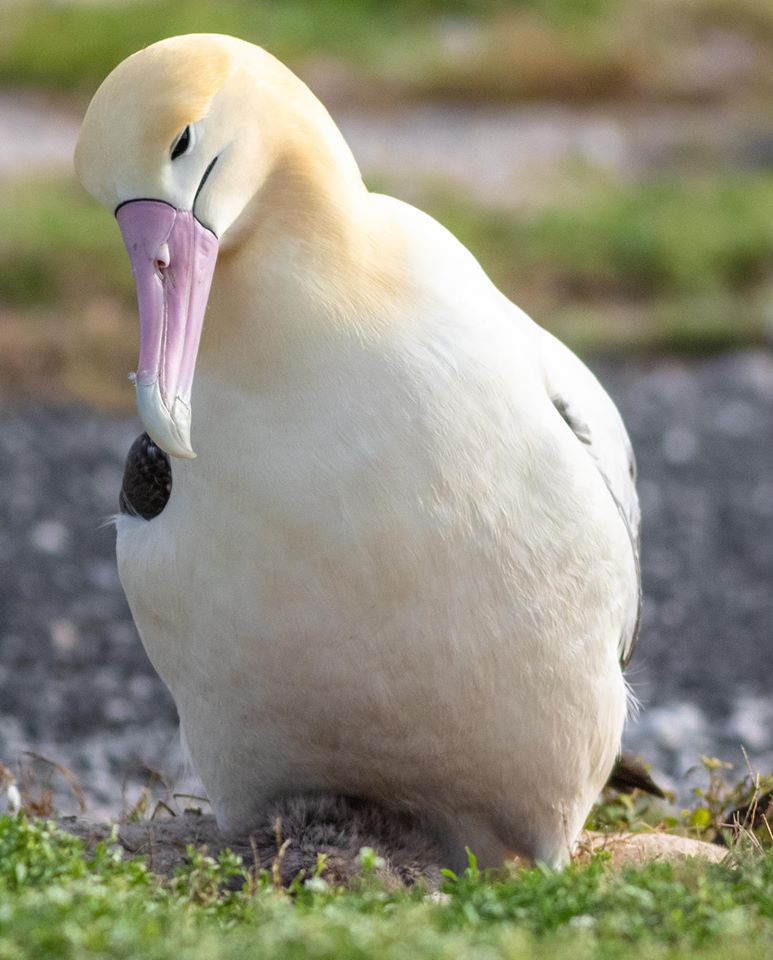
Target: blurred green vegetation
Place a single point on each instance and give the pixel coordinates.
(492, 49)
(664, 264)
(57, 244)
(66, 295)
(661, 265)
(681, 260)
(665, 238)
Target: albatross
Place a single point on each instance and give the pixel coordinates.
(398, 557)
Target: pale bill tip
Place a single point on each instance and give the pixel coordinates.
(170, 430)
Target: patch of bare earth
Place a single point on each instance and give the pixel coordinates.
(286, 851)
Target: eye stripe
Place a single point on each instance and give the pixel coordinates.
(204, 179)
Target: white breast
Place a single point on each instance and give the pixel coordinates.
(405, 581)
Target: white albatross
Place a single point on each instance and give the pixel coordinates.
(403, 565)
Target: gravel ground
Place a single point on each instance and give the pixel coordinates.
(75, 684)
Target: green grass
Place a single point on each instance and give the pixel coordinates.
(56, 903)
(490, 49)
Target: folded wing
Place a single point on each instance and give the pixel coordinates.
(590, 414)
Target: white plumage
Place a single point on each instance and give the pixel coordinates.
(403, 564)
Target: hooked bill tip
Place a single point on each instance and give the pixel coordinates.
(169, 429)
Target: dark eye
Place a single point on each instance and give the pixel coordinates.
(181, 144)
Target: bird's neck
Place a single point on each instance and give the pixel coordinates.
(316, 263)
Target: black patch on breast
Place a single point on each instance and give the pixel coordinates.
(147, 480)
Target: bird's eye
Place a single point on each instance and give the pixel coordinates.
(181, 144)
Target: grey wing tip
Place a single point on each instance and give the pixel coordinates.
(629, 774)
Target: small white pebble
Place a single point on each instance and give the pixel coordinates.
(118, 710)
(142, 687)
(317, 884)
(49, 536)
(439, 898)
(680, 445)
(12, 798)
(64, 635)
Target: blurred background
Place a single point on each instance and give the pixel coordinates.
(610, 163)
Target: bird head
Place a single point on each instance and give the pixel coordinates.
(178, 142)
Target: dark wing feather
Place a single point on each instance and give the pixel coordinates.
(629, 774)
(147, 480)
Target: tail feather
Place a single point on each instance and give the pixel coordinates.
(629, 774)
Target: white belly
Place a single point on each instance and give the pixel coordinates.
(352, 605)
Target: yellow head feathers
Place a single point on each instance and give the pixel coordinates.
(246, 111)
(144, 104)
